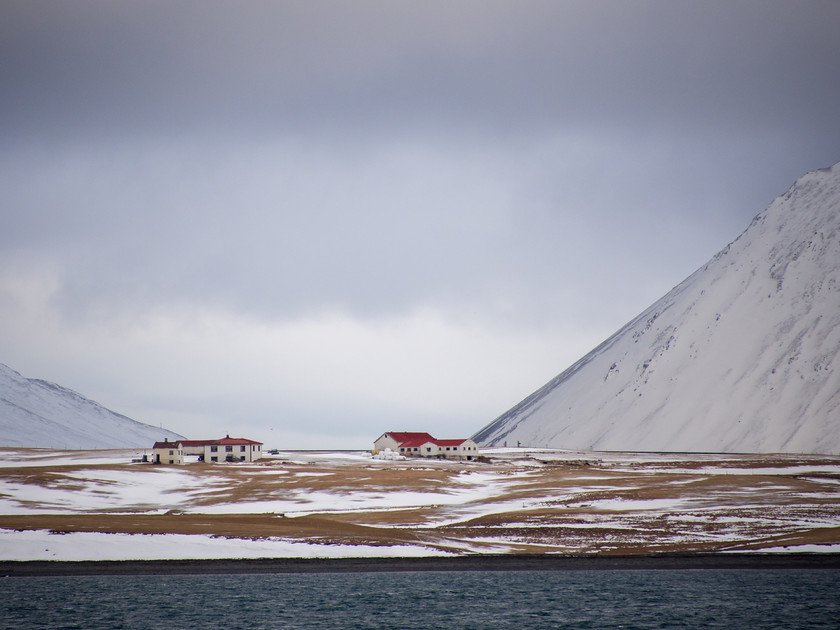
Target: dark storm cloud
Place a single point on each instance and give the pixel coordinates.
(133, 68)
(296, 155)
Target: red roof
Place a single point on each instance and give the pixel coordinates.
(223, 441)
(230, 440)
(417, 442)
(408, 439)
(407, 436)
(197, 442)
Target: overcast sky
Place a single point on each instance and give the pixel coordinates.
(311, 222)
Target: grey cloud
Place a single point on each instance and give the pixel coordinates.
(292, 156)
(161, 68)
(288, 230)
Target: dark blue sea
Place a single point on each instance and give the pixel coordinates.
(531, 600)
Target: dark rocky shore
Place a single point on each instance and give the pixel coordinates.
(773, 561)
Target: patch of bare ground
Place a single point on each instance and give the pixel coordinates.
(629, 506)
(235, 485)
(244, 526)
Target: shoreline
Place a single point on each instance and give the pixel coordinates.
(516, 562)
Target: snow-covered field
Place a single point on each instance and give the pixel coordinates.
(89, 505)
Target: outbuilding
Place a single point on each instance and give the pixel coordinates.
(166, 452)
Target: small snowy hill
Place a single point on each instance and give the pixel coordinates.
(742, 356)
(35, 413)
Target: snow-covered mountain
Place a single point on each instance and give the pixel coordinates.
(36, 413)
(742, 356)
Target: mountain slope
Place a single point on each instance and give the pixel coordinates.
(742, 356)
(36, 413)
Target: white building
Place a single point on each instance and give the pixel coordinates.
(413, 444)
(227, 449)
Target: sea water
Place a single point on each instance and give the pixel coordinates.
(741, 599)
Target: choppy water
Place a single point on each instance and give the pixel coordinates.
(741, 599)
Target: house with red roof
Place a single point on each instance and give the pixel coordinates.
(227, 449)
(412, 444)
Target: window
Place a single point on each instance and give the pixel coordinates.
(242, 449)
(214, 449)
(171, 462)
(214, 459)
(242, 459)
(428, 449)
(228, 449)
(171, 453)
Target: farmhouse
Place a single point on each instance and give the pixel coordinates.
(227, 449)
(424, 445)
(168, 453)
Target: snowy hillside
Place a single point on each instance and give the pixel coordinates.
(742, 356)
(35, 413)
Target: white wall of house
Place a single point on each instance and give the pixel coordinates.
(466, 450)
(173, 455)
(214, 453)
(385, 441)
(410, 451)
(450, 452)
(210, 453)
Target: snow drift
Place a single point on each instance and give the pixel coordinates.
(39, 414)
(742, 356)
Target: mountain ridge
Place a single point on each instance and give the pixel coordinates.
(741, 356)
(35, 413)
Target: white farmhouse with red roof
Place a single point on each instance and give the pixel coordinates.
(413, 444)
(227, 449)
